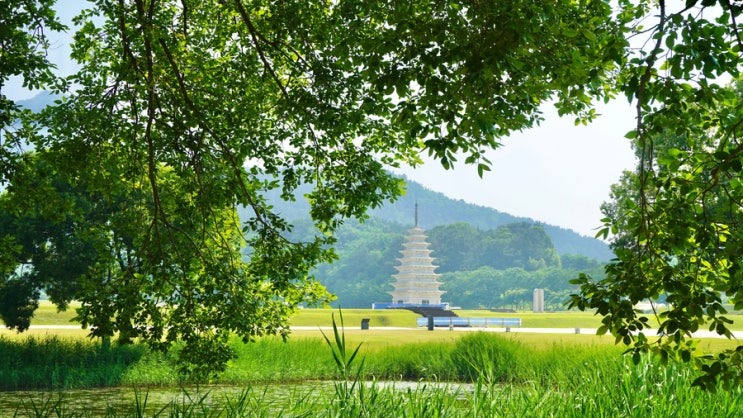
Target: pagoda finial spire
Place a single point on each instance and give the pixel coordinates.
(416, 213)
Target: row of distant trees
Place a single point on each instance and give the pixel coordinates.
(512, 288)
(496, 268)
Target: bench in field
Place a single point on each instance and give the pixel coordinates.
(470, 322)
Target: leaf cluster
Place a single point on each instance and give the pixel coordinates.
(676, 220)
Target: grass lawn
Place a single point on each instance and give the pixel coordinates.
(403, 318)
(380, 338)
(564, 374)
(376, 339)
(352, 317)
(47, 314)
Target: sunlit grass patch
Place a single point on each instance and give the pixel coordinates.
(352, 317)
(502, 374)
(47, 314)
(56, 362)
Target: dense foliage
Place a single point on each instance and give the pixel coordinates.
(487, 288)
(180, 111)
(462, 247)
(677, 219)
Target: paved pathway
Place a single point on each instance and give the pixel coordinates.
(586, 331)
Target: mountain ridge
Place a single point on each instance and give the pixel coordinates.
(436, 209)
(566, 241)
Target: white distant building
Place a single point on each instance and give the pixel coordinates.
(538, 301)
(416, 281)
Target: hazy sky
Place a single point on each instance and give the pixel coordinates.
(557, 173)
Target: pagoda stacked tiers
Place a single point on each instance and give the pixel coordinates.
(416, 281)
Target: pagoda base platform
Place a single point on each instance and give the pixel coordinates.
(432, 311)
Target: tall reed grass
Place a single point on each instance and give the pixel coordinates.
(477, 375)
(58, 363)
(645, 390)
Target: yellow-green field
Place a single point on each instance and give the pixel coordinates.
(510, 372)
(404, 318)
(47, 314)
(378, 338)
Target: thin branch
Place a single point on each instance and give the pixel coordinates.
(646, 144)
(145, 19)
(125, 39)
(256, 41)
(185, 19)
(233, 164)
(734, 25)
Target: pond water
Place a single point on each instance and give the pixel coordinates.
(95, 402)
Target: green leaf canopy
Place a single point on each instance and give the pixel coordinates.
(183, 110)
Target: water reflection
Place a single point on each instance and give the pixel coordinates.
(96, 402)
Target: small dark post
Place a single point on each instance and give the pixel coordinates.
(430, 323)
(365, 323)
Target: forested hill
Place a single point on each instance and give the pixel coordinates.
(437, 209)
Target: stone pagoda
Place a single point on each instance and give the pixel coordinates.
(416, 282)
